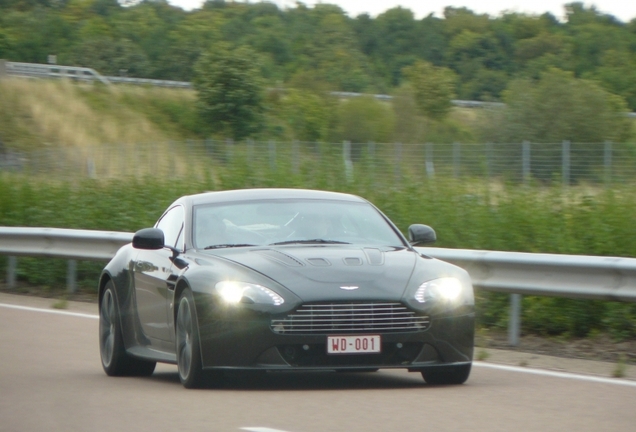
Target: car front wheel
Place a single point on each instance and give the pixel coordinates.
(447, 374)
(115, 361)
(187, 340)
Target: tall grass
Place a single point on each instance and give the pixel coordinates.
(41, 113)
(472, 214)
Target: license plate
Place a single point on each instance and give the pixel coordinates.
(353, 344)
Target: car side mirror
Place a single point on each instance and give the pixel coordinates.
(421, 234)
(148, 238)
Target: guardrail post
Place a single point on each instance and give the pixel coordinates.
(12, 266)
(71, 276)
(514, 324)
(3, 68)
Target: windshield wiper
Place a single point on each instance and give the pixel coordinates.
(227, 245)
(310, 241)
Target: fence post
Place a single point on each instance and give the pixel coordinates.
(12, 266)
(209, 146)
(525, 160)
(3, 69)
(489, 160)
(371, 152)
(457, 159)
(398, 161)
(514, 325)
(71, 276)
(430, 165)
(607, 161)
(295, 157)
(346, 156)
(229, 144)
(565, 158)
(250, 151)
(272, 155)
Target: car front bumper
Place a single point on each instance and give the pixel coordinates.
(248, 342)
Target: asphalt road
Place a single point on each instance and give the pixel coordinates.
(51, 380)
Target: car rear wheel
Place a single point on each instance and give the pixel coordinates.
(187, 340)
(115, 361)
(447, 374)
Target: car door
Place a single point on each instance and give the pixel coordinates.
(154, 273)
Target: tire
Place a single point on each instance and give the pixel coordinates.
(187, 343)
(447, 374)
(115, 361)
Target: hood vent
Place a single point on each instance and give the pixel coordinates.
(354, 261)
(319, 262)
(281, 257)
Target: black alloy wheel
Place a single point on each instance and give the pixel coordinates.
(187, 340)
(115, 361)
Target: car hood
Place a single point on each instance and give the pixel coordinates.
(334, 272)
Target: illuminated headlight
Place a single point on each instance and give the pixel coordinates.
(447, 288)
(233, 292)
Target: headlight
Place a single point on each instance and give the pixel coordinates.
(447, 289)
(233, 292)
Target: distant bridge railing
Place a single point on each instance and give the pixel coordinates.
(569, 276)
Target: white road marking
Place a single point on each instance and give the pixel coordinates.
(261, 429)
(555, 374)
(518, 369)
(52, 311)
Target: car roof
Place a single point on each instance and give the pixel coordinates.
(267, 193)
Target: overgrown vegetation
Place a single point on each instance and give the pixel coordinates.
(466, 214)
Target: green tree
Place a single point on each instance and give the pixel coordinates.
(230, 90)
(561, 107)
(112, 57)
(363, 119)
(556, 108)
(307, 114)
(433, 87)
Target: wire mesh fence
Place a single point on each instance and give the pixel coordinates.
(263, 163)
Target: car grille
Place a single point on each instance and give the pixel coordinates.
(330, 318)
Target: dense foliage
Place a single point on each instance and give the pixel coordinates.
(301, 44)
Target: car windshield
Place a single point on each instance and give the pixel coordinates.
(278, 222)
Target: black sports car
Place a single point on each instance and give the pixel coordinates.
(283, 279)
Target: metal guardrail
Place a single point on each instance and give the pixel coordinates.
(34, 70)
(570, 276)
(62, 243)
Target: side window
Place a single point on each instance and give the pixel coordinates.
(171, 223)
